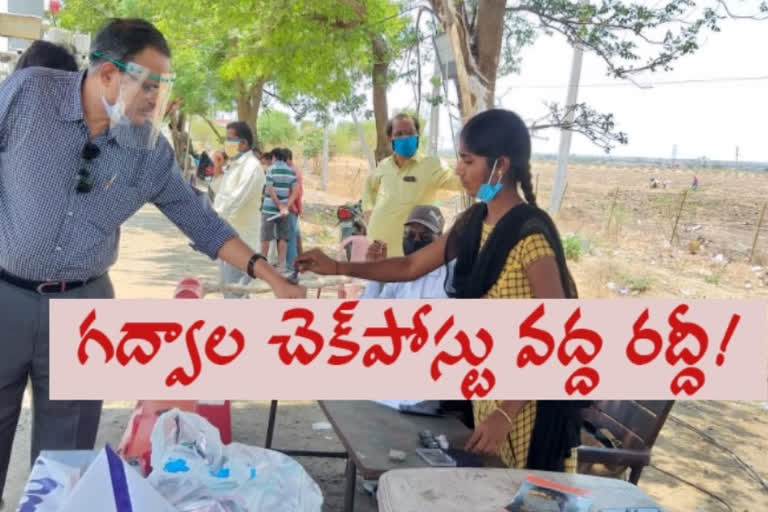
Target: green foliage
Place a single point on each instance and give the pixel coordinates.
(346, 140)
(312, 141)
(221, 48)
(276, 128)
(638, 284)
(574, 246)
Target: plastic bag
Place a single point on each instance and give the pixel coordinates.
(50, 482)
(197, 473)
(135, 446)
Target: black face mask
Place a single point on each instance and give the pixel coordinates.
(411, 245)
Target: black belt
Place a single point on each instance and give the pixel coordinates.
(44, 287)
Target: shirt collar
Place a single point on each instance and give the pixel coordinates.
(71, 108)
(414, 160)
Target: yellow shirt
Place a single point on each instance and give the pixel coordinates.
(513, 281)
(391, 192)
(513, 284)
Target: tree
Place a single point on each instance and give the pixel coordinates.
(487, 36)
(276, 128)
(237, 52)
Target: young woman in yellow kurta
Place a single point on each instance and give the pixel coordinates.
(503, 247)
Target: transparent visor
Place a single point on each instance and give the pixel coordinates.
(136, 117)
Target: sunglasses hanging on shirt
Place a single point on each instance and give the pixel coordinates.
(84, 179)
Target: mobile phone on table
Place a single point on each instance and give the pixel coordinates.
(436, 457)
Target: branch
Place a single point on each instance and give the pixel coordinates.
(599, 128)
(288, 104)
(213, 129)
(763, 9)
(615, 30)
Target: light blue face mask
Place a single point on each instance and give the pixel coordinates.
(406, 146)
(487, 192)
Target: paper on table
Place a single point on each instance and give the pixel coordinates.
(395, 404)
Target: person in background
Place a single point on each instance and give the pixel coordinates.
(45, 54)
(294, 242)
(281, 192)
(424, 226)
(73, 168)
(238, 198)
(266, 160)
(505, 247)
(400, 182)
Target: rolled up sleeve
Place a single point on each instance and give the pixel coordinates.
(189, 209)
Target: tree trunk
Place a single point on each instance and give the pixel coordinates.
(179, 136)
(248, 104)
(380, 108)
(363, 144)
(214, 129)
(488, 37)
(471, 85)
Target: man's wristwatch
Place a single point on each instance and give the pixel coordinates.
(256, 257)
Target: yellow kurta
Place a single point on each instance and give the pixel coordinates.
(513, 284)
(391, 192)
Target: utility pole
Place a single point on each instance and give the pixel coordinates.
(566, 133)
(434, 120)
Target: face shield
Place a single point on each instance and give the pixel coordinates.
(136, 116)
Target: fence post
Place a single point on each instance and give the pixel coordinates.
(679, 213)
(613, 207)
(757, 232)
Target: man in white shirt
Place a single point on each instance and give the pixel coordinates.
(238, 197)
(424, 226)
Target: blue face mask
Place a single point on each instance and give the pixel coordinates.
(487, 192)
(406, 146)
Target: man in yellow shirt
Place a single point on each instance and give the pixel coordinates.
(401, 182)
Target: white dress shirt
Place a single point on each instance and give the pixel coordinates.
(238, 197)
(430, 286)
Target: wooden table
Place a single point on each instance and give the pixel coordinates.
(369, 431)
(490, 490)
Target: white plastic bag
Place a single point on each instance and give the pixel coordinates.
(49, 483)
(197, 473)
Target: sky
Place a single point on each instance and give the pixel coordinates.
(703, 119)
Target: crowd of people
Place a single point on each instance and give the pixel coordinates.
(62, 210)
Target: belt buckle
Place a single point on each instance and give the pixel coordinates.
(42, 286)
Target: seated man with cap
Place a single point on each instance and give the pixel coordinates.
(424, 226)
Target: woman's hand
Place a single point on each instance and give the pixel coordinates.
(489, 434)
(316, 261)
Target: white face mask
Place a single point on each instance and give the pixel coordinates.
(116, 112)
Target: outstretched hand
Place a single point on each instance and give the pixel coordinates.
(318, 262)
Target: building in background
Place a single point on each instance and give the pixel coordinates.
(17, 34)
(27, 7)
